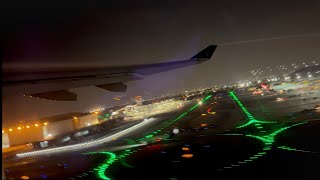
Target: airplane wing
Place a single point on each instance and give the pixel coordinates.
(54, 83)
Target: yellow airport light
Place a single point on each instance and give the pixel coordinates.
(24, 177)
(187, 155)
(185, 149)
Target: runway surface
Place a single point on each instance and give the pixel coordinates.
(235, 134)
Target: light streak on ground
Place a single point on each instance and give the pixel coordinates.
(87, 144)
(128, 151)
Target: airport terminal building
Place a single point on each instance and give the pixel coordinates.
(47, 128)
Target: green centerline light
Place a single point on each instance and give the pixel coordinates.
(179, 117)
(292, 149)
(124, 163)
(130, 142)
(251, 119)
(269, 139)
(102, 169)
(149, 136)
(230, 134)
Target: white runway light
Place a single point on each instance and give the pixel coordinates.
(86, 144)
(175, 131)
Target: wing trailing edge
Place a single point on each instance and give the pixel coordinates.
(60, 95)
(53, 83)
(114, 87)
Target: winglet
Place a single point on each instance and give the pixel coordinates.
(206, 53)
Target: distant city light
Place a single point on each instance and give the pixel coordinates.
(10, 129)
(19, 128)
(36, 125)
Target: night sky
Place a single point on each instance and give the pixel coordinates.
(137, 32)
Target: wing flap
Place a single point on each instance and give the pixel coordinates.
(114, 87)
(60, 95)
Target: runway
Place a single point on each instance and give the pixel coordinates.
(245, 136)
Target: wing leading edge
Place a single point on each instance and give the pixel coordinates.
(45, 83)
